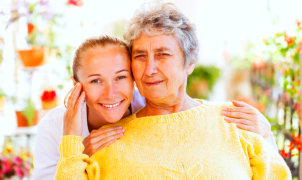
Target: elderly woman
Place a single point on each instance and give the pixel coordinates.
(173, 136)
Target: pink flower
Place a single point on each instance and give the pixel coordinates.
(17, 160)
(18, 170)
(6, 167)
(75, 2)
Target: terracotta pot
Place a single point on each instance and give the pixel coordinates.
(22, 120)
(32, 57)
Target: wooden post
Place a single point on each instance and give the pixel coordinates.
(300, 114)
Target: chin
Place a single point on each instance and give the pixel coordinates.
(113, 118)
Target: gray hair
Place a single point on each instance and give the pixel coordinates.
(165, 18)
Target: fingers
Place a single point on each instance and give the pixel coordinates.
(107, 134)
(247, 110)
(101, 131)
(239, 115)
(106, 144)
(247, 127)
(238, 121)
(80, 101)
(109, 140)
(240, 104)
(92, 145)
(75, 93)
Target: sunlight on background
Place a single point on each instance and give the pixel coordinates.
(224, 29)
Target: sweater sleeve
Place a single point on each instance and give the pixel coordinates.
(73, 163)
(265, 162)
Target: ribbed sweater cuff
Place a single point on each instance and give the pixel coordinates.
(71, 145)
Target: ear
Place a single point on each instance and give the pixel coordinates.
(190, 68)
(73, 80)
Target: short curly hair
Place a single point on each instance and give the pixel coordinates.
(165, 18)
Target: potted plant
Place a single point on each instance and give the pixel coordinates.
(202, 81)
(29, 116)
(14, 166)
(40, 34)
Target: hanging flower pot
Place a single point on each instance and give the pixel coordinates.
(32, 57)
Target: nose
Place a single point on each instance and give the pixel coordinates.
(151, 66)
(109, 91)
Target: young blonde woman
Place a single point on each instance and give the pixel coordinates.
(103, 94)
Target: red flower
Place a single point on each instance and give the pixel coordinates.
(75, 2)
(284, 154)
(6, 167)
(289, 40)
(17, 160)
(299, 23)
(48, 95)
(291, 146)
(30, 28)
(19, 172)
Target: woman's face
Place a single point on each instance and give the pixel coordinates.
(158, 67)
(105, 74)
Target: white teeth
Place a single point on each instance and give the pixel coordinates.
(111, 105)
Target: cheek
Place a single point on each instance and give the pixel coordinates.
(126, 88)
(92, 93)
(137, 70)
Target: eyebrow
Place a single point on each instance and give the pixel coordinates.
(138, 51)
(160, 49)
(122, 70)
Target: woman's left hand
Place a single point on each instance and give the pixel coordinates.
(248, 118)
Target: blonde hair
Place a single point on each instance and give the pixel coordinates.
(92, 43)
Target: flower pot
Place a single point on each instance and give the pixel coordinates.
(22, 120)
(32, 57)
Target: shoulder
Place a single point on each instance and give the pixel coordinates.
(53, 118)
(217, 104)
(214, 107)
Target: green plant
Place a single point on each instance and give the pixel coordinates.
(2, 94)
(29, 111)
(202, 81)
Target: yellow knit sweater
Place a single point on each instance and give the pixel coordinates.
(192, 144)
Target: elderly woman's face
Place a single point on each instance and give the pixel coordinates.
(158, 67)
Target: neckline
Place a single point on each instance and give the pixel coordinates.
(173, 116)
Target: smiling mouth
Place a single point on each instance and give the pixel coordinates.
(112, 106)
(153, 83)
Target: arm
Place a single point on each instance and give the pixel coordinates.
(73, 163)
(264, 161)
(46, 153)
(249, 118)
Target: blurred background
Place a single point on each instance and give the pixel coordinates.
(249, 51)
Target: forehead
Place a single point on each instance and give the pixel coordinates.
(105, 57)
(162, 41)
